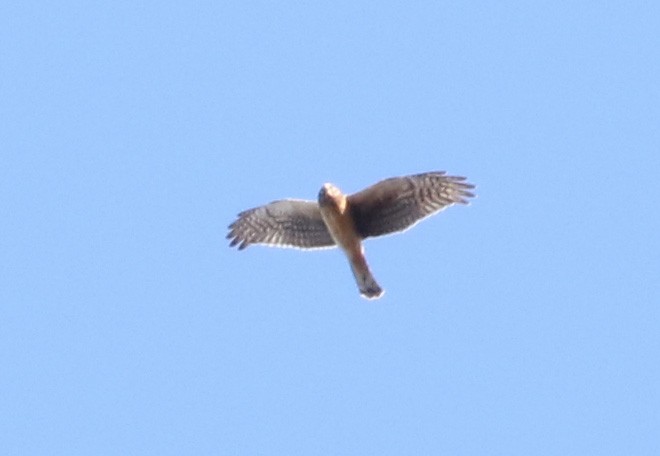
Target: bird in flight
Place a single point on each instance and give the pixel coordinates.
(344, 221)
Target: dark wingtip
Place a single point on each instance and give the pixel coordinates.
(241, 244)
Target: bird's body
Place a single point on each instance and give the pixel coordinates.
(335, 211)
(389, 206)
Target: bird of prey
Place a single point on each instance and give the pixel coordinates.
(339, 220)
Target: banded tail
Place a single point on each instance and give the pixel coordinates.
(366, 283)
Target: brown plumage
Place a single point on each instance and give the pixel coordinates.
(389, 206)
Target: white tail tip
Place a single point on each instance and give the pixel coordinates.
(367, 285)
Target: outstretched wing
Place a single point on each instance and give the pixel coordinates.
(398, 203)
(284, 223)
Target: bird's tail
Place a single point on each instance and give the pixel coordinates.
(366, 283)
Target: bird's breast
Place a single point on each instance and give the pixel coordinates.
(341, 227)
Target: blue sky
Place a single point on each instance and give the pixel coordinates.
(132, 133)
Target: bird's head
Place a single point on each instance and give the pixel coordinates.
(329, 194)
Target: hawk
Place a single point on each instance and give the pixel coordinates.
(344, 221)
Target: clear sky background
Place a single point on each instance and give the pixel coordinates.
(132, 133)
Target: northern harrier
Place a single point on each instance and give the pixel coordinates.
(389, 206)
